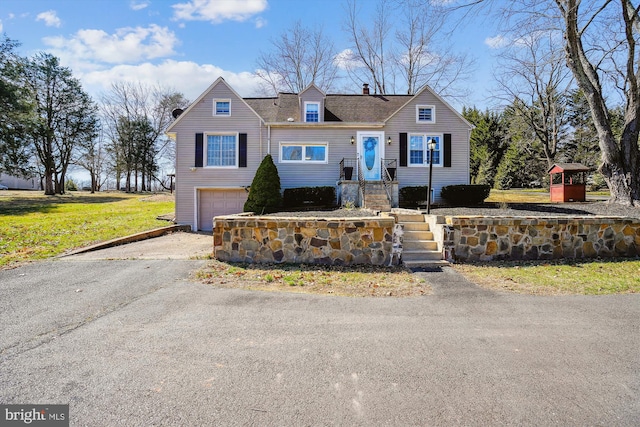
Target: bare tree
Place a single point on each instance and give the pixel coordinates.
(135, 117)
(600, 40)
(369, 61)
(403, 54)
(93, 157)
(299, 57)
(534, 81)
(620, 165)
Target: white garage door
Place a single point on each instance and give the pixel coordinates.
(219, 202)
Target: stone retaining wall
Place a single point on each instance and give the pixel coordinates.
(343, 241)
(516, 238)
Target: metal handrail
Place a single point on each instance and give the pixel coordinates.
(361, 182)
(385, 164)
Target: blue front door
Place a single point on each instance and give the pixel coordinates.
(370, 153)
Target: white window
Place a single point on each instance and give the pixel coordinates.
(425, 114)
(419, 149)
(311, 112)
(221, 107)
(222, 150)
(303, 153)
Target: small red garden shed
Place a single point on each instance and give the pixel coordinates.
(568, 182)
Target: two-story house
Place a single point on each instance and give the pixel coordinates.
(368, 146)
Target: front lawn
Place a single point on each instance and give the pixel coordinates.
(558, 277)
(34, 226)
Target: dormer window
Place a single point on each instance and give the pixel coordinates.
(311, 112)
(425, 114)
(221, 107)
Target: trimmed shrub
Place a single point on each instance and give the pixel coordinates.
(264, 194)
(412, 197)
(462, 195)
(309, 197)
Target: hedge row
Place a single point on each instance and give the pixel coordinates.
(455, 195)
(309, 197)
(464, 195)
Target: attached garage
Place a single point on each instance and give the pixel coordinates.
(216, 202)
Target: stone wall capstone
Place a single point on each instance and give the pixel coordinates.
(528, 238)
(331, 241)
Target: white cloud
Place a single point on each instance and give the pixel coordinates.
(260, 22)
(0, 24)
(496, 42)
(127, 45)
(139, 4)
(50, 18)
(187, 77)
(217, 11)
(347, 60)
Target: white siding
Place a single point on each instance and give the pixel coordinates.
(447, 121)
(200, 119)
(312, 175)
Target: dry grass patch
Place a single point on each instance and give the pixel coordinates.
(558, 277)
(356, 281)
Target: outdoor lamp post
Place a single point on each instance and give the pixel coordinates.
(432, 145)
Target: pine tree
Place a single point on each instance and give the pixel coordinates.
(264, 194)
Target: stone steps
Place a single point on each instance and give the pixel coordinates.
(419, 249)
(375, 197)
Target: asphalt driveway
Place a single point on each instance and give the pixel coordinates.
(139, 342)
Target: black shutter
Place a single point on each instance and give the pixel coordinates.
(447, 150)
(242, 150)
(199, 150)
(403, 149)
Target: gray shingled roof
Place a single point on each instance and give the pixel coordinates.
(338, 108)
(570, 167)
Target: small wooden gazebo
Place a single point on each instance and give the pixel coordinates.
(568, 182)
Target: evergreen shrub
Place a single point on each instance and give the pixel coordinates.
(264, 194)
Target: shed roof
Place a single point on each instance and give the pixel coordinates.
(569, 167)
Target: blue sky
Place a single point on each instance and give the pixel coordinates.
(187, 44)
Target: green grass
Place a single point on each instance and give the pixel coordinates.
(34, 226)
(558, 277)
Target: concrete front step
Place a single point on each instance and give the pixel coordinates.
(426, 264)
(416, 226)
(421, 255)
(415, 245)
(417, 235)
(411, 218)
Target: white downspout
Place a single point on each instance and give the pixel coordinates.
(260, 127)
(268, 139)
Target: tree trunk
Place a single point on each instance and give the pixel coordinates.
(619, 162)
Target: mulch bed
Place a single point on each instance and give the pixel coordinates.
(572, 209)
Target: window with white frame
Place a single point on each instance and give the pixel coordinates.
(419, 149)
(303, 153)
(425, 114)
(221, 107)
(311, 112)
(222, 150)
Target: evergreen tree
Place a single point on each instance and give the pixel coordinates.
(488, 144)
(264, 194)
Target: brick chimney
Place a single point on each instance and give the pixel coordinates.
(365, 88)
